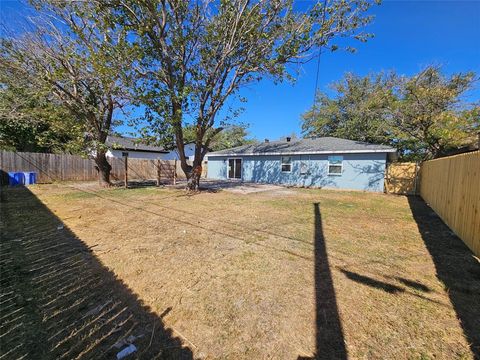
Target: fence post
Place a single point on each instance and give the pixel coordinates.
(158, 172)
(385, 179)
(125, 156)
(175, 173)
(416, 179)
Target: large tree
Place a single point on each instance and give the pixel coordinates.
(81, 61)
(423, 116)
(196, 55)
(429, 112)
(231, 136)
(357, 111)
(32, 120)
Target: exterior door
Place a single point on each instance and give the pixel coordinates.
(234, 168)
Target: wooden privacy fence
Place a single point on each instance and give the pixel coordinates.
(451, 186)
(49, 167)
(63, 167)
(401, 178)
(140, 169)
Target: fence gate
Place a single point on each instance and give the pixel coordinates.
(402, 178)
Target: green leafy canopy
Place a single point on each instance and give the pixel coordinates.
(423, 115)
(193, 57)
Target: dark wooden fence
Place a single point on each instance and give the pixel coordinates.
(63, 167)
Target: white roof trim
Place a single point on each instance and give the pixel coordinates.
(308, 152)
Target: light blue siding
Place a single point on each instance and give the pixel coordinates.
(361, 171)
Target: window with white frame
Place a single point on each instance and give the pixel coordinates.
(335, 165)
(286, 164)
(303, 168)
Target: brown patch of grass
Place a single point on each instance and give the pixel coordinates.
(59, 302)
(238, 271)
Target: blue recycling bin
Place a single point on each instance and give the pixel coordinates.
(22, 178)
(16, 178)
(30, 177)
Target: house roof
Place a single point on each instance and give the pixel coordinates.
(318, 145)
(128, 143)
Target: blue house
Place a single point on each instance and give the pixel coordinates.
(326, 162)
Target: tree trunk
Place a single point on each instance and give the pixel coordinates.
(194, 180)
(103, 168)
(187, 169)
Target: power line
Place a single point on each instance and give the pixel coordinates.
(314, 108)
(316, 83)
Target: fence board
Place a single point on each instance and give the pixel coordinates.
(451, 186)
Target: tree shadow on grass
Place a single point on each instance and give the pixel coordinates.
(377, 284)
(456, 268)
(330, 342)
(59, 302)
(413, 284)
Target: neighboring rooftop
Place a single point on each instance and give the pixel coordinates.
(128, 143)
(319, 145)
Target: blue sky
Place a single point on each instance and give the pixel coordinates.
(409, 35)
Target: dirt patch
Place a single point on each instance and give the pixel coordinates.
(256, 188)
(238, 187)
(272, 274)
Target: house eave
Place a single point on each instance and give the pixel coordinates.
(306, 152)
(140, 150)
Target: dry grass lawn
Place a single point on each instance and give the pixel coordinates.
(280, 274)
